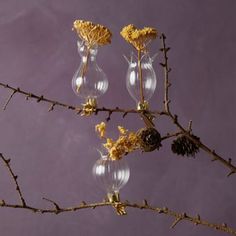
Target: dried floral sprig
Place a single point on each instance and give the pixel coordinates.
(119, 206)
(139, 38)
(89, 107)
(101, 129)
(92, 34)
(127, 142)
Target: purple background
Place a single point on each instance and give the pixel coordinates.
(53, 153)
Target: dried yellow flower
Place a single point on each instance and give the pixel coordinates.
(127, 142)
(115, 153)
(89, 107)
(139, 38)
(101, 129)
(109, 144)
(122, 130)
(92, 33)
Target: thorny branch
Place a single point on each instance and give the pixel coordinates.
(54, 103)
(57, 209)
(14, 177)
(166, 111)
(174, 118)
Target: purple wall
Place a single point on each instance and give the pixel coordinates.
(53, 153)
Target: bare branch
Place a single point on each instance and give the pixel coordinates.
(54, 103)
(171, 135)
(57, 208)
(174, 118)
(124, 112)
(176, 221)
(14, 177)
(120, 206)
(190, 126)
(166, 68)
(8, 100)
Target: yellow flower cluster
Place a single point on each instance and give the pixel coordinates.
(126, 143)
(92, 33)
(101, 129)
(89, 107)
(139, 38)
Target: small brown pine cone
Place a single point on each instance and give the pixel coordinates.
(150, 139)
(184, 146)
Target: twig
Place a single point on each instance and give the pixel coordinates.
(119, 206)
(159, 210)
(166, 72)
(14, 177)
(57, 208)
(177, 220)
(124, 112)
(190, 126)
(54, 103)
(140, 75)
(8, 100)
(170, 135)
(51, 108)
(174, 118)
(212, 153)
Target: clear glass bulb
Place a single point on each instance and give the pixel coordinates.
(148, 77)
(111, 175)
(89, 81)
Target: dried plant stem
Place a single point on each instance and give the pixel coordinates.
(171, 135)
(85, 66)
(178, 217)
(140, 75)
(54, 103)
(14, 177)
(9, 99)
(174, 118)
(166, 68)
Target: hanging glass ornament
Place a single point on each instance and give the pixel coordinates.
(89, 81)
(111, 175)
(141, 79)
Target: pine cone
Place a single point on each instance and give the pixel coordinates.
(150, 139)
(185, 146)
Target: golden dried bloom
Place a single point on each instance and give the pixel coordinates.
(89, 107)
(127, 142)
(101, 129)
(109, 144)
(134, 139)
(122, 130)
(92, 33)
(120, 209)
(115, 154)
(88, 110)
(139, 38)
